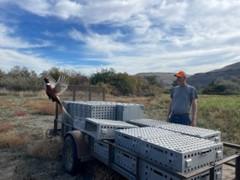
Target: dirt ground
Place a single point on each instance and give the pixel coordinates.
(26, 153)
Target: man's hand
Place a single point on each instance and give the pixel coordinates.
(193, 122)
(194, 113)
(169, 111)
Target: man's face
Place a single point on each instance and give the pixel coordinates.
(181, 80)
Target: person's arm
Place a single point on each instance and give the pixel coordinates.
(194, 112)
(169, 110)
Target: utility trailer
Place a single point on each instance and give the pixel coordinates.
(120, 137)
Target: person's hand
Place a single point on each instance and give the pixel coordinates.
(193, 123)
(168, 118)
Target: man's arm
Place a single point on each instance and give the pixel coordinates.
(194, 112)
(169, 110)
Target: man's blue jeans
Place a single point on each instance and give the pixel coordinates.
(180, 119)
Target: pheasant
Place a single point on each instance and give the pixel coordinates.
(54, 89)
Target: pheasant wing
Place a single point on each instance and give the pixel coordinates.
(61, 85)
(52, 81)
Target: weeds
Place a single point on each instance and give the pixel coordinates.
(12, 139)
(40, 107)
(46, 148)
(5, 127)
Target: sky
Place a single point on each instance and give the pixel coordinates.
(130, 36)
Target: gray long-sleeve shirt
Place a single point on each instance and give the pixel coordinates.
(182, 98)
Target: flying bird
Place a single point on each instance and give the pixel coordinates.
(54, 89)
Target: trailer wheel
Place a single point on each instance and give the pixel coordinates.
(70, 158)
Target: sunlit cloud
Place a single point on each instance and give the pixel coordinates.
(139, 35)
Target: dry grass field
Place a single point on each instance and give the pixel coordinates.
(27, 153)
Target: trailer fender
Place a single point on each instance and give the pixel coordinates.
(81, 141)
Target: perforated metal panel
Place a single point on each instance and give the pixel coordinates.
(125, 160)
(193, 131)
(80, 110)
(131, 138)
(101, 151)
(103, 128)
(92, 109)
(179, 152)
(150, 172)
(147, 122)
(129, 111)
(182, 153)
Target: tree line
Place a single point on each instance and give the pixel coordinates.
(22, 79)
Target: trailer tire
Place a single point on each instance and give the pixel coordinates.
(70, 159)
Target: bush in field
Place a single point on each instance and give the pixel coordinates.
(21, 79)
(124, 84)
(223, 87)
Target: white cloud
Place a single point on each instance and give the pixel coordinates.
(10, 58)
(9, 40)
(101, 43)
(164, 35)
(11, 54)
(65, 9)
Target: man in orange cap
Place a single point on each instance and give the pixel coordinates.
(183, 102)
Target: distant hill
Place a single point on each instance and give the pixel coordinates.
(199, 80)
(202, 80)
(164, 79)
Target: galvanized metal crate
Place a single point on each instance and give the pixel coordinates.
(125, 160)
(193, 131)
(92, 109)
(147, 122)
(131, 138)
(182, 153)
(151, 172)
(80, 110)
(101, 151)
(103, 128)
(127, 111)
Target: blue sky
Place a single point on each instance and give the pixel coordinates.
(128, 35)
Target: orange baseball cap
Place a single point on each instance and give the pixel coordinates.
(180, 74)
